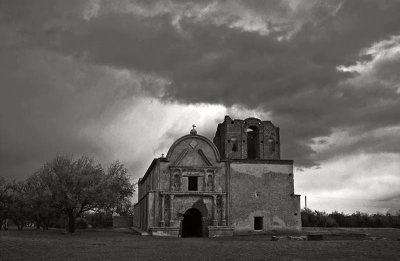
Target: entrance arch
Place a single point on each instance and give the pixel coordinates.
(192, 223)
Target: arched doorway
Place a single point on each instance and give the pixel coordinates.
(191, 223)
(252, 143)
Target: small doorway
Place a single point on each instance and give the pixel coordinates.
(191, 223)
(258, 223)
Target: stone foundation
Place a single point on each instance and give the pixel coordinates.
(164, 231)
(220, 231)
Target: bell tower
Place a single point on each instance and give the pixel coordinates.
(249, 139)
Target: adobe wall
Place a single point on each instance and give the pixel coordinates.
(144, 212)
(263, 190)
(122, 221)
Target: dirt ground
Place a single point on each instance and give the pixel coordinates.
(107, 244)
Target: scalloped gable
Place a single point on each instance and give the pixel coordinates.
(200, 150)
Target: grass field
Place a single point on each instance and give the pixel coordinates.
(98, 245)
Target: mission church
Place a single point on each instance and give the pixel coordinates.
(237, 184)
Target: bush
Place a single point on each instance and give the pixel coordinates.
(316, 218)
(81, 223)
(99, 219)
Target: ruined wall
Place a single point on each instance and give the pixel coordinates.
(266, 191)
(232, 138)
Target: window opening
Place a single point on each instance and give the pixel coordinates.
(192, 184)
(234, 144)
(234, 147)
(252, 143)
(271, 144)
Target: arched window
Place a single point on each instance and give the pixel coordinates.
(234, 147)
(252, 143)
(177, 182)
(234, 144)
(271, 145)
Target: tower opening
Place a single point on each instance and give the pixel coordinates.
(253, 148)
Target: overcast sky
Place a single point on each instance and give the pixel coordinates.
(124, 79)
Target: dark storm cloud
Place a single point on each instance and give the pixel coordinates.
(46, 101)
(267, 55)
(358, 141)
(289, 72)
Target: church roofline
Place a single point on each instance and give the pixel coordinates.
(262, 161)
(229, 119)
(148, 171)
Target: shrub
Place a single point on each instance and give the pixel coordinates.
(81, 223)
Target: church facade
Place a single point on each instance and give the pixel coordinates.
(236, 184)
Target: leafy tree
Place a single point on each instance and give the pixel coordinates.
(43, 211)
(18, 208)
(117, 189)
(79, 185)
(316, 218)
(4, 202)
(124, 208)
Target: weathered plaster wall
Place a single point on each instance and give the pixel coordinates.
(144, 212)
(263, 190)
(149, 181)
(140, 214)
